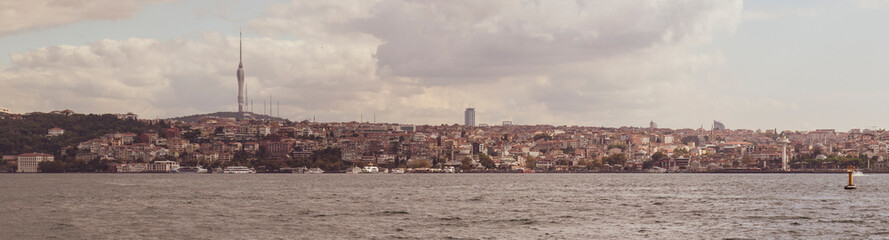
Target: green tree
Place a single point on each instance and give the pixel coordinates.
(466, 164)
(530, 162)
(419, 164)
(680, 152)
(542, 136)
(615, 159)
(486, 161)
(51, 166)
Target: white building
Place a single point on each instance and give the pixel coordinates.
(469, 117)
(52, 132)
(162, 166)
(29, 162)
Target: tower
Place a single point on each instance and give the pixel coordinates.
(469, 117)
(240, 75)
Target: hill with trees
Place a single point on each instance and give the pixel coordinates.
(29, 134)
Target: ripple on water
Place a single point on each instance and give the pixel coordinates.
(458, 206)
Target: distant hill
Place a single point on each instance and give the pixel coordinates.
(235, 115)
(29, 134)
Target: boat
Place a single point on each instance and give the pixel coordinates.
(858, 173)
(315, 170)
(370, 169)
(195, 169)
(397, 171)
(294, 170)
(237, 170)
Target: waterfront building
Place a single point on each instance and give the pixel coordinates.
(162, 166)
(29, 162)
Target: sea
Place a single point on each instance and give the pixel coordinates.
(443, 206)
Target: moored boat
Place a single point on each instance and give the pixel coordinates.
(237, 170)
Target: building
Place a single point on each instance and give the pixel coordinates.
(4, 110)
(52, 132)
(507, 123)
(469, 117)
(162, 166)
(275, 150)
(407, 128)
(29, 162)
(718, 126)
(652, 125)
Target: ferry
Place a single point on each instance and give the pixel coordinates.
(238, 170)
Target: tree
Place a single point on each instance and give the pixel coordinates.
(680, 152)
(655, 159)
(418, 164)
(690, 139)
(530, 162)
(486, 161)
(615, 159)
(568, 150)
(466, 164)
(542, 136)
(51, 166)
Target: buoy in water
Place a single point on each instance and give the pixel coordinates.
(850, 186)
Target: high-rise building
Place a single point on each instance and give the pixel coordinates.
(469, 117)
(240, 75)
(718, 126)
(652, 125)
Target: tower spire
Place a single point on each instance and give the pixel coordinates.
(240, 75)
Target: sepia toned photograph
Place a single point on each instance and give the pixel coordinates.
(444, 119)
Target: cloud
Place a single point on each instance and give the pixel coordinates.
(19, 16)
(572, 62)
(181, 76)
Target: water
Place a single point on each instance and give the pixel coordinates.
(422, 206)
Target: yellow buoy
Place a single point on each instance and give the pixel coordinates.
(850, 170)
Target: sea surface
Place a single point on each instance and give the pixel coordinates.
(434, 206)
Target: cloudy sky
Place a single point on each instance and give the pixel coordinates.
(796, 65)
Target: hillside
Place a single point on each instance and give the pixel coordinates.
(235, 115)
(29, 133)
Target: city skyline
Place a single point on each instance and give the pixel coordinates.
(751, 64)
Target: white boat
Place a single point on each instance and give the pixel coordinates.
(857, 173)
(397, 171)
(196, 169)
(315, 170)
(237, 170)
(370, 169)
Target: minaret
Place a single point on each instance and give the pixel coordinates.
(240, 75)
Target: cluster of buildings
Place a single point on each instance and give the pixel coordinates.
(218, 141)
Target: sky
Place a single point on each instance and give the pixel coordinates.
(787, 65)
